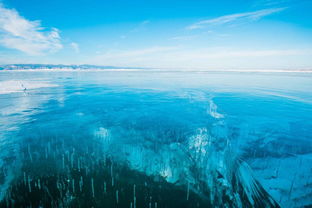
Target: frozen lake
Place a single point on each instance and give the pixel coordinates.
(155, 139)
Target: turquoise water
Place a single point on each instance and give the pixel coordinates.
(156, 139)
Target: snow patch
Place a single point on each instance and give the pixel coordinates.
(13, 86)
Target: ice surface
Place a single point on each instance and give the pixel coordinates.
(210, 142)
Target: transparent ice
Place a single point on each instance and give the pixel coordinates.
(224, 139)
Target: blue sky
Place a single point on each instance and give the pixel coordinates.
(190, 34)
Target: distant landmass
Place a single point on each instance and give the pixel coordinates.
(59, 66)
(65, 67)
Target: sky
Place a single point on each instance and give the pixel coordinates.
(168, 34)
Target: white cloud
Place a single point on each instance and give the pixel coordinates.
(220, 54)
(136, 53)
(184, 37)
(131, 57)
(139, 27)
(30, 37)
(271, 2)
(145, 22)
(247, 16)
(205, 58)
(75, 47)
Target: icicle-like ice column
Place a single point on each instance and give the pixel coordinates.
(134, 197)
(92, 187)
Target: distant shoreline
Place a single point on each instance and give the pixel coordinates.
(159, 70)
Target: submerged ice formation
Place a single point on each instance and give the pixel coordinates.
(212, 111)
(203, 163)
